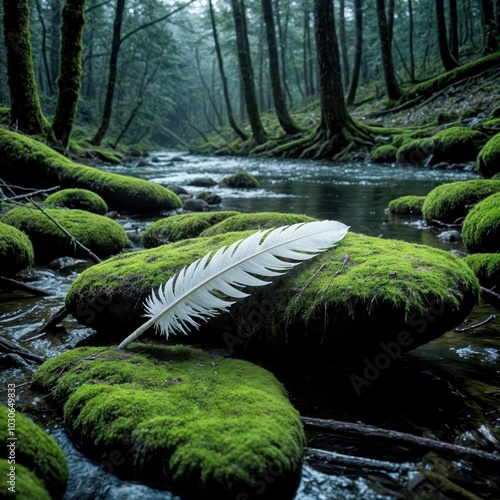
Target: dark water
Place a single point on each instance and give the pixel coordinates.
(448, 389)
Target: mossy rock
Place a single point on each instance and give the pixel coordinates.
(16, 250)
(486, 267)
(260, 220)
(451, 202)
(28, 162)
(182, 419)
(488, 161)
(37, 451)
(446, 117)
(481, 229)
(344, 310)
(181, 227)
(406, 205)
(81, 199)
(240, 180)
(453, 145)
(27, 486)
(496, 177)
(384, 154)
(101, 235)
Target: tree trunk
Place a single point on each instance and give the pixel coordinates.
(358, 15)
(246, 71)
(70, 78)
(274, 70)
(393, 92)
(44, 47)
(454, 29)
(343, 45)
(225, 88)
(310, 58)
(412, 51)
(489, 28)
(25, 111)
(55, 38)
(113, 66)
(304, 53)
(282, 36)
(449, 62)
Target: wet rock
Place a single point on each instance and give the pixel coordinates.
(488, 161)
(177, 189)
(67, 265)
(16, 250)
(143, 163)
(185, 197)
(203, 182)
(450, 236)
(177, 159)
(481, 229)
(194, 205)
(406, 205)
(209, 197)
(486, 267)
(240, 180)
(155, 159)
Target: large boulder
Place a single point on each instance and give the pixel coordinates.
(488, 160)
(450, 202)
(181, 227)
(407, 205)
(101, 235)
(481, 229)
(344, 302)
(16, 250)
(202, 426)
(486, 267)
(80, 199)
(28, 162)
(240, 180)
(37, 452)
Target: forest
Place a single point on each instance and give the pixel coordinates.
(250, 249)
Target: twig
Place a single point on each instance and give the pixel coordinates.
(443, 224)
(11, 347)
(33, 193)
(53, 321)
(19, 285)
(487, 320)
(491, 294)
(345, 259)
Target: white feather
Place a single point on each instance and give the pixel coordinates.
(188, 296)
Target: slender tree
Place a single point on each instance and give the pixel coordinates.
(25, 110)
(44, 46)
(70, 77)
(454, 29)
(284, 117)
(358, 16)
(489, 28)
(410, 40)
(343, 44)
(448, 60)
(55, 38)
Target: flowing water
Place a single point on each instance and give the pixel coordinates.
(448, 389)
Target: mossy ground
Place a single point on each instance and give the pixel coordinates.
(36, 451)
(451, 202)
(259, 220)
(384, 154)
(407, 205)
(101, 235)
(182, 419)
(181, 227)
(486, 267)
(16, 250)
(240, 180)
(488, 161)
(81, 199)
(481, 229)
(28, 485)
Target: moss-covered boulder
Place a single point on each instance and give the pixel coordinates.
(28, 162)
(453, 145)
(496, 177)
(450, 202)
(406, 205)
(260, 220)
(201, 426)
(343, 306)
(486, 267)
(384, 154)
(488, 161)
(38, 452)
(100, 234)
(240, 180)
(16, 250)
(24, 483)
(81, 199)
(181, 227)
(481, 229)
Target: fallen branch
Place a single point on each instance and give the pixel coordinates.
(487, 320)
(410, 441)
(53, 321)
(19, 285)
(443, 224)
(34, 193)
(492, 296)
(11, 347)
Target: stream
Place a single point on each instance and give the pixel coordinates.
(448, 389)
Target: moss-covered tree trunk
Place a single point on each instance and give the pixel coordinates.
(69, 81)
(25, 110)
(246, 71)
(284, 117)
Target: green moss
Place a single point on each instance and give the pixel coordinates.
(450, 202)
(445, 117)
(195, 423)
(81, 199)
(384, 154)
(37, 451)
(481, 229)
(240, 180)
(495, 112)
(407, 205)
(16, 250)
(374, 297)
(181, 227)
(496, 177)
(488, 161)
(136, 151)
(486, 267)
(101, 235)
(260, 220)
(455, 144)
(27, 484)
(30, 163)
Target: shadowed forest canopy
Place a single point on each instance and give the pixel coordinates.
(232, 76)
